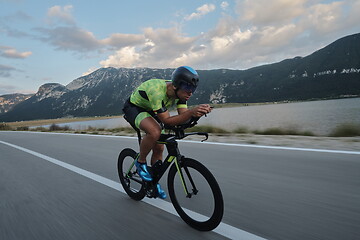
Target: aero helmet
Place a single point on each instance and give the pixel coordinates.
(185, 78)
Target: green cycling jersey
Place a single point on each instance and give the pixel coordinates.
(151, 96)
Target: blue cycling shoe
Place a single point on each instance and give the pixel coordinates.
(141, 169)
(161, 193)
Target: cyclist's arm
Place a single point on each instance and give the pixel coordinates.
(174, 120)
(182, 110)
(184, 115)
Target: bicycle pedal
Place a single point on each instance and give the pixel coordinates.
(150, 189)
(151, 194)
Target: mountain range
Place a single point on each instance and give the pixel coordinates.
(9, 100)
(331, 72)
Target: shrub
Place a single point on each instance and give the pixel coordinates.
(55, 127)
(90, 128)
(270, 131)
(346, 130)
(241, 130)
(23, 128)
(122, 129)
(283, 131)
(208, 128)
(40, 129)
(4, 126)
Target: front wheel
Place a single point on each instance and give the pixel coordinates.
(130, 180)
(195, 194)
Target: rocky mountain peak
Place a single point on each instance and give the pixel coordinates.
(50, 90)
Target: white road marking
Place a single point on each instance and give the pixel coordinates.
(222, 144)
(223, 229)
(279, 147)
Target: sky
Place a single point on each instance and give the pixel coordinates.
(59, 41)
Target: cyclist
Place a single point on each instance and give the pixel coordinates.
(147, 109)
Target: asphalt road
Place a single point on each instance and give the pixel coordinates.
(268, 193)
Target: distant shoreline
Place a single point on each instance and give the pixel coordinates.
(40, 122)
(229, 105)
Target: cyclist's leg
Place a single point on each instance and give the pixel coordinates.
(149, 142)
(153, 130)
(158, 150)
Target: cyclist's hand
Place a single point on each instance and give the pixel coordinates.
(201, 110)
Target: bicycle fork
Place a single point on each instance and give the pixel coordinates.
(182, 179)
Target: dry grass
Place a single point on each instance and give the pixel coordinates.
(55, 121)
(344, 130)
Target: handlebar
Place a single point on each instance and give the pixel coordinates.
(189, 124)
(180, 133)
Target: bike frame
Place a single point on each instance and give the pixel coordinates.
(174, 156)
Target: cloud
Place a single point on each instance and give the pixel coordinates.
(324, 18)
(6, 88)
(60, 14)
(73, 38)
(224, 5)
(90, 70)
(120, 40)
(158, 48)
(5, 71)
(70, 38)
(10, 89)
(268, 12)
(18, 16)
(253, 33)
(7, 22)
(201, 11)
(125, 57)
(10, 52)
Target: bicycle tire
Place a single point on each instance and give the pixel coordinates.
(125, 160)
(215, 215)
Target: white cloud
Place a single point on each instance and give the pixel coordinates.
(160, 48)
(120, 40)
(277, 36)
(266, 12)
(201, 11)
(10, 52)
(125, 57)
(224, 5)
(90, 70)
(62, 14)
(262, 31)
(324, 18)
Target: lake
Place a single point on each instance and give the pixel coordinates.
(319, 117)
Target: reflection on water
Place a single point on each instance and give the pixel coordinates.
(319, 117)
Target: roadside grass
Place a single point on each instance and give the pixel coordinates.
(5, 127)
(343, 130)
(33, 123)
(208, 128)
(283, 131)
(346, 130)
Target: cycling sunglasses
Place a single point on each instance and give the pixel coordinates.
(187, 87)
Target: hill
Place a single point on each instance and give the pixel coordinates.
(8, 101)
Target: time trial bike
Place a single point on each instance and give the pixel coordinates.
(193, 190)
